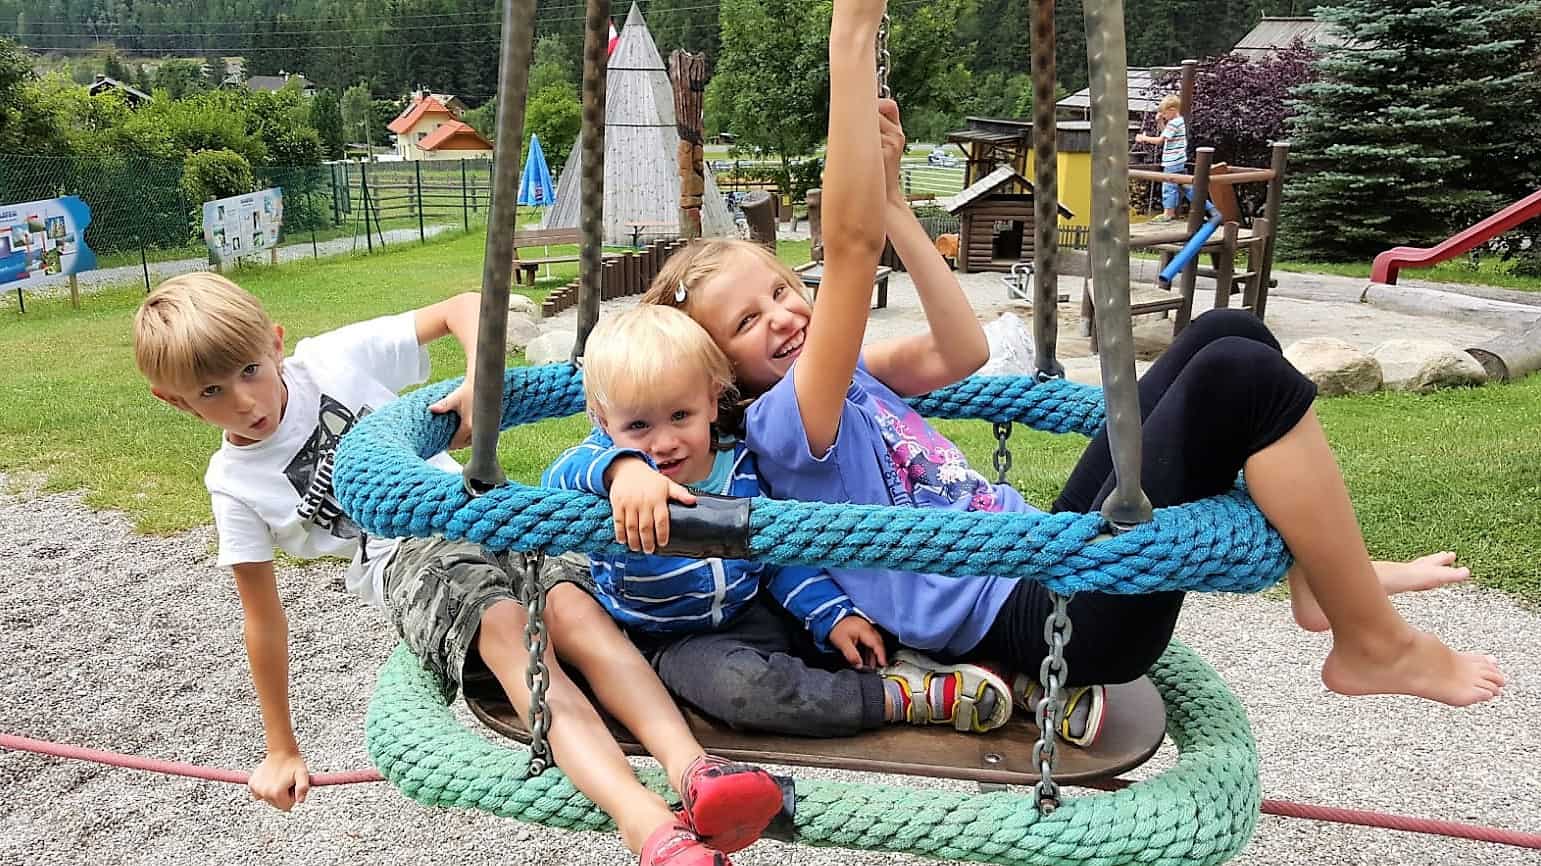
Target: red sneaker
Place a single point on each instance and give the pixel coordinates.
(676, 845)
(728, 804)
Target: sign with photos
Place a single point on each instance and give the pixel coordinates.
(45, 238)
(243, 225)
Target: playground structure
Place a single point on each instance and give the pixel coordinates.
(389, 489)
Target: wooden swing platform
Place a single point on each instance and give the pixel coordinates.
(1132, 732)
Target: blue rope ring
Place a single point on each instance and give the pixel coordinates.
(1222, 543)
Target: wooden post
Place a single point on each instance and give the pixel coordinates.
(816, 224)
(74, 293)
(1189, 79)
(1225, 267)
(1196, 220)
(1281, 155)
(688, 72)
(760, 211)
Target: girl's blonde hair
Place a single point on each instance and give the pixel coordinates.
(1170, 102)
(633, 352)
(198, 327)
(700, 260)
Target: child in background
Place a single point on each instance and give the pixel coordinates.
(1173, 140)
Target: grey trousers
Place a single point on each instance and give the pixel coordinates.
(762, 671)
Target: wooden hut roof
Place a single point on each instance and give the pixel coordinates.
(987, 185)
(642, 182)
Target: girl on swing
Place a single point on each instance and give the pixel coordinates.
(828, 422)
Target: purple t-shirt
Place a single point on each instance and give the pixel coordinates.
(886, 454)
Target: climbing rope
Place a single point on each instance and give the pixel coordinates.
(1280, 808)
(1218, 544)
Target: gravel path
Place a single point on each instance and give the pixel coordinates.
(133, 643)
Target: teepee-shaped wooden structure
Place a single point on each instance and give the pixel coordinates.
(642, 182)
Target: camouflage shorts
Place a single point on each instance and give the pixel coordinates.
(436, 592)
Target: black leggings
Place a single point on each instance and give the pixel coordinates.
(1221, 393)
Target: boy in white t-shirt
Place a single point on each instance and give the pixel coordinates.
(208, 348)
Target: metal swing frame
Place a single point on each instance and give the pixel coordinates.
(1125, 508)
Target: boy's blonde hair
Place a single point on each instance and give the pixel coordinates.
(700, 260)
(634, 351)
(197, 327)
(1170, 102)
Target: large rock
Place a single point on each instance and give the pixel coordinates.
(1425, 365)
(1335, 366)
(518, 303)
(552, 347)
(521, 330)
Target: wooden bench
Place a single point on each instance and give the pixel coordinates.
(542, 238)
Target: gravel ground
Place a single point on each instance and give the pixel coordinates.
(133, 643)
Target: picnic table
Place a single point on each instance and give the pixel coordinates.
(812, 274)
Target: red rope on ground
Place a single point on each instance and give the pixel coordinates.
(170, 768)
(1281, 808)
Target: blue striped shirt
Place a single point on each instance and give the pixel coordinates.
(668, 595)
(1174, 145)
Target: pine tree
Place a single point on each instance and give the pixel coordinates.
(1401, 139)
(326, 117)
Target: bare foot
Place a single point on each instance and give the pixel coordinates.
(1417, 664)
(1425, 572)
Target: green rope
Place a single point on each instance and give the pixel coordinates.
(1201, 812)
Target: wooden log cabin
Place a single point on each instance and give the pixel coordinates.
(995, 221)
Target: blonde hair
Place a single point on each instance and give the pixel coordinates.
(633, 351)
(700, 260)
(197, 327)
(1170, 102)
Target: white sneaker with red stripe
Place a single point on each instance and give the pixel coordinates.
(924, 691)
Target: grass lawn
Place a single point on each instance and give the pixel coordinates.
(1458, 469)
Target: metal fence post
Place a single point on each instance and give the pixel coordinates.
(364, 186)
(417, 166)
(465, 213)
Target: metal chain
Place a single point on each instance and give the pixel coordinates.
(884, 60)
(1002, 455)
(536, 678)
(1051, 707)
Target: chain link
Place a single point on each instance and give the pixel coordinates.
(1053, 673)
(1002, 456)
(536, 677)
(885, 62)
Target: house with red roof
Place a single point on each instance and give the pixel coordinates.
(430, 128)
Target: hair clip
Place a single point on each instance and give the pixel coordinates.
(679, 293)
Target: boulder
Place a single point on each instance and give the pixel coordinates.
(521, 330)
(518, 303)
(1335, 366)
(1425, 365)
(552, 347)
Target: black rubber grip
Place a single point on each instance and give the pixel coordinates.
(715, 526)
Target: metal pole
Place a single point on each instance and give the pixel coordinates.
(144, 263)
(417, 167)
(465, 212)
(363, 174)
(484, 472)
(596, 40)
(1046, 194)
(1127, 505)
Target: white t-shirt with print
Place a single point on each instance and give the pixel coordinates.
(277, 493)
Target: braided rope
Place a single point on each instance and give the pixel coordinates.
(1218, 544)
(1202, 811)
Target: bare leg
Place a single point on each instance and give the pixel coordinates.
(580, 742)
(585, 636)
(1426, 572)
(1297, 484)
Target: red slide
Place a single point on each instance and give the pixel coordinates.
(1386, 265)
